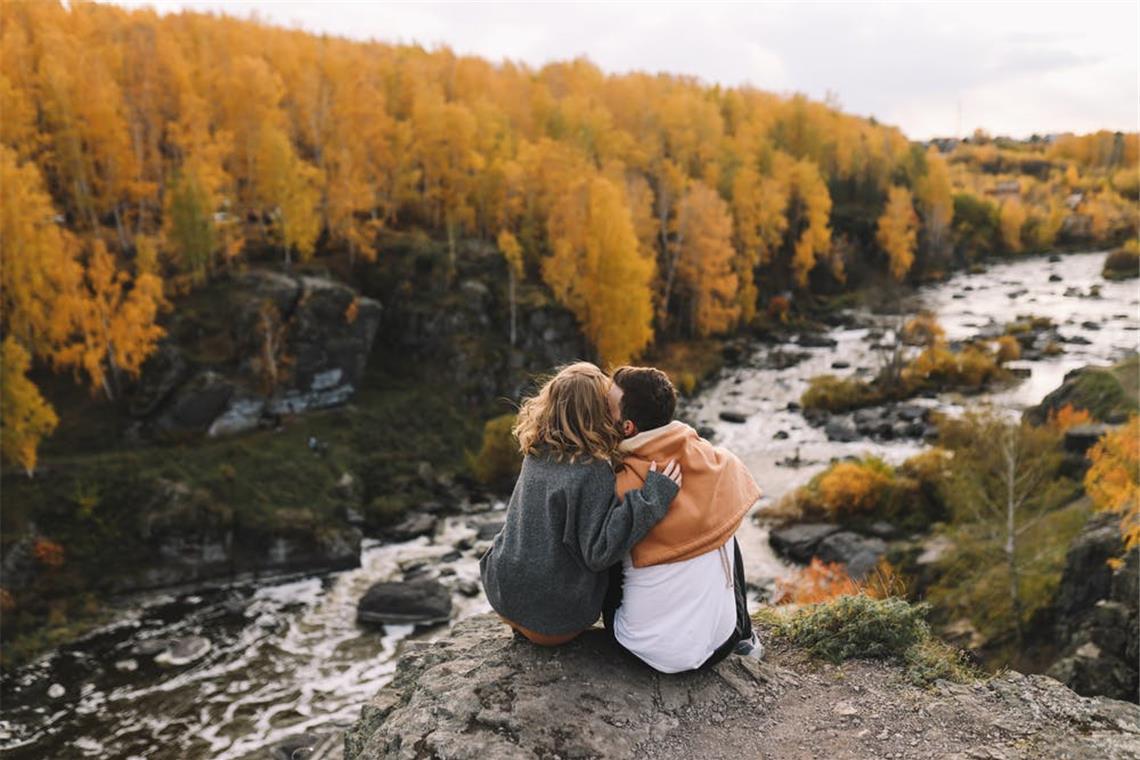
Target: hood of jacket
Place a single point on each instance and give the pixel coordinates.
(718, 490)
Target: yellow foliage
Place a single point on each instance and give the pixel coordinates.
(25, 417)
(853, 487)
(597, 272)
(118, 327)
(1008, 349)
(923, 330)
(1113, 480)
(898, 231)
(38, 269)
(705, 264)
(1012, 217)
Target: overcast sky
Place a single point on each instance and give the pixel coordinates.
(1010, 68)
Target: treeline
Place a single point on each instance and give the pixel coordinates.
(142, 155)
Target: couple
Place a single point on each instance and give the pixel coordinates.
(600, 523)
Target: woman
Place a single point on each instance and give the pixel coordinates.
(546, 573)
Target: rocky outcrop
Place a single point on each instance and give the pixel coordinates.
(194, 539)
(272, 345)
(1096, 614)
(1100, 390)
(484, 693)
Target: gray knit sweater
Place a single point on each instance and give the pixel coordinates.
(547, 569)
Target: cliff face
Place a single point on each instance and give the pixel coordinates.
(482, 693)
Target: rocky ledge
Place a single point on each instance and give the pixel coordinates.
(483, 693)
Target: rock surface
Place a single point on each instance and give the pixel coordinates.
(484, 693)
(318, 331)
(1097, 615)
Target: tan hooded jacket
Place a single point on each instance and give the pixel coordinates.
(718, 491)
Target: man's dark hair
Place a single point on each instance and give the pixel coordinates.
(648, 397)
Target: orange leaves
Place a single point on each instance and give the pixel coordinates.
(818, 582)
(822, 581)
(898, 231)
(1066, 417)
(596, 270)
(815, 240)
(706, 261)
(27, 417)
(48, 553)
(117, 322)
(1113, 480)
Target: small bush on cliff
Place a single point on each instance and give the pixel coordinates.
(498, 461)
(860, 627)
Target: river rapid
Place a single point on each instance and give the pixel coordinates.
(288, 657)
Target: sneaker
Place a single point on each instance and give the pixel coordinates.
(750, 647)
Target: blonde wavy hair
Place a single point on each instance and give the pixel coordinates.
(569, 417)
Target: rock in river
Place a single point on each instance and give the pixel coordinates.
(859, 553)
(799, 542)
(421, 601)
(183, 651)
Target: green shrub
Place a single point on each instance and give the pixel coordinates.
(498, 461)
(860, 627)
(836, 394)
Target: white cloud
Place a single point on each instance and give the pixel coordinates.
(1016, 68)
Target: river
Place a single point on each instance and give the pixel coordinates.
(289, 658)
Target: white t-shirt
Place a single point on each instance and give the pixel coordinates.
(674, 616)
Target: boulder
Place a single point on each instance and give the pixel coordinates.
(422, 601)
(859, 553)
(161, 373)
(842, 432)
(812, 340)
(183, 651)
(800, 542)
(412, 526)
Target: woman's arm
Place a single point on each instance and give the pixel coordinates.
(608, 526)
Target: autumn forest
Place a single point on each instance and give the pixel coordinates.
(143, 156)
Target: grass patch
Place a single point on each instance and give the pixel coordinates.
(859, 627)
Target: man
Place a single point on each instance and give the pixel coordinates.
(678, 601)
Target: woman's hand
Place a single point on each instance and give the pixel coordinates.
(672, 470)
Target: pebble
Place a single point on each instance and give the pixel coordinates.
(55, 691)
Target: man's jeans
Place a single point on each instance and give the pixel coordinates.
(743, 629)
